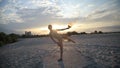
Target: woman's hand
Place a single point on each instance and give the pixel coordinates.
(69, 26)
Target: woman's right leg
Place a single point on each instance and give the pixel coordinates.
(68, 38)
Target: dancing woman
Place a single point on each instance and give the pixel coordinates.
(58, 38)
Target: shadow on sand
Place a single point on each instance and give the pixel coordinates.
(61, 64)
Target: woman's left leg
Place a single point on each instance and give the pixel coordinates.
(61, 50)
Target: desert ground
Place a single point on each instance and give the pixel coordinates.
(89, 51)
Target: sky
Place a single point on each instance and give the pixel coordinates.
(18, 16)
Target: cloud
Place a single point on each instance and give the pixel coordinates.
(99, 14)
(8, 14)
(10, 18)
(107, 12)
(0, 0)
(28, 14)
(42, 3)
(70, 11)
(91, 5)
(59, 10)
(19, 11)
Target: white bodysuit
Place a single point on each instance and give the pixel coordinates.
(55, 35)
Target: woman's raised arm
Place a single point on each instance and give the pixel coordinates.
(64, 28)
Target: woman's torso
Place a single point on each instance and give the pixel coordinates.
(55, 35)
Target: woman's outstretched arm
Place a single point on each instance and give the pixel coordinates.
(64, 28)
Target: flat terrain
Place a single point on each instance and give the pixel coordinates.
(90, 51)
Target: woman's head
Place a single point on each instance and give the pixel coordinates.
(50, 27)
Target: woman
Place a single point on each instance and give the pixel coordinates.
(59, 38)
